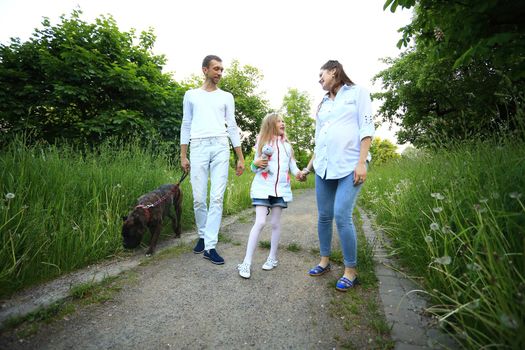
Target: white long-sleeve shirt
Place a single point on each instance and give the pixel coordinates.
(208, 114)
(340, 126)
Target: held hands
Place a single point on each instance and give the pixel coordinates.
(301, 175)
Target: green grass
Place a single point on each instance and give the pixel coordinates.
(61, 208)
(455, 218)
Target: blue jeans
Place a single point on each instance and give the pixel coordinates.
(337, 198)
(209, 158)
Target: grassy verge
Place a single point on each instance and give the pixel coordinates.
(61, 209)
(456, 218)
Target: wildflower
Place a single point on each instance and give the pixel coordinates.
(428, 239)
(446, 229)
(483, 200)
(444, 260)
(515, 195)
(437, 195)
(474, 304)
(474, 267)
(118, 186)
(508, 321)
(9, 196)
(437, 209)
(434, 226)
(438, 34)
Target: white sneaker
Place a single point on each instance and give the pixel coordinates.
(270, 264)
(244, 270)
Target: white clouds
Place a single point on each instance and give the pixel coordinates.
(288, 40)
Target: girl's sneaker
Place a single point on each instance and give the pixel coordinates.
(244, 270)
(270, 264)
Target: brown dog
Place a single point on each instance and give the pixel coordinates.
(149, 213)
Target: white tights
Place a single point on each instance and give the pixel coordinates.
(260, 221)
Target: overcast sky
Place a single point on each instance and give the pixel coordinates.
(287, 40)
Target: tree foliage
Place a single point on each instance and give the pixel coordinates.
(250, 106)
(299, 125)
(464, 75)
(383, 151)
(86, 82)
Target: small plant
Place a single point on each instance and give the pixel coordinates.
(265, 244)
(294, 247)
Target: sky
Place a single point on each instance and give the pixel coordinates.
(286, 40)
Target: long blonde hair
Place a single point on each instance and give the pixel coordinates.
(269, 131)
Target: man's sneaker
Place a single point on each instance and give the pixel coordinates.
(244, 270)
(270, 264)
(199, 247)
(213, 256)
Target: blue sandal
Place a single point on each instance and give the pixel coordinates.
(319, 270)
(345, 284)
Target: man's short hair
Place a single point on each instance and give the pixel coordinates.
(206, 61)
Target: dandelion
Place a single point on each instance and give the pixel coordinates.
(444, 260)
(446, 229)
(118, 186)
(434, 226)
(429, 239)
(437, 210)
(494, 195)
(9, 196)
(508, 321)
(437, 195)
(479, 208)
(483, 200)
(515, 195)
(474, 267)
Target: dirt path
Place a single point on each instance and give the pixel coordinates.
(185, 302)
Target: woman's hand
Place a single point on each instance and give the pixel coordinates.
(359, 174)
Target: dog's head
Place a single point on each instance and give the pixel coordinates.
(133, 229)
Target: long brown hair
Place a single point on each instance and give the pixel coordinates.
(340, 76)
(269, 131)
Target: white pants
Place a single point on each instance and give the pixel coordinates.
(209, 157)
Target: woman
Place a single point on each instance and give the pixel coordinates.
(343, 134)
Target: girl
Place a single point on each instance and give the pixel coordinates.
(270, 188)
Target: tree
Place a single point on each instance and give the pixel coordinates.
(250, 106)
(86, 82)
(463, 77)
(299, 125)
(383, 151)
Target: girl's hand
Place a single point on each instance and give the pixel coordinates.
(261, 162)
(301, 176)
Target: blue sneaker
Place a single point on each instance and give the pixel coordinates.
(213, 256)
(199, 247)
(345, 284)
(319, 270)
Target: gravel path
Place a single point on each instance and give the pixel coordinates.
(185, 302)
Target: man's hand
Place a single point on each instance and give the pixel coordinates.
(185, 164)
(240, 167)
(301, 176)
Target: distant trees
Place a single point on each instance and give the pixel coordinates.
(383, 151)
(300, 126)
(464, 75)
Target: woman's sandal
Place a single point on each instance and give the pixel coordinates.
(345, 284)
(319, 270)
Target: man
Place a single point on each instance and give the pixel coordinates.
(208, 119)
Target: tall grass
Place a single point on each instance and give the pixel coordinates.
(456, 218)
(61, 209)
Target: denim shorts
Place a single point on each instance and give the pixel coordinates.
(270, 202)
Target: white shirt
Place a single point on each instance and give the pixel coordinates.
(208, 114)
(341, 124)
